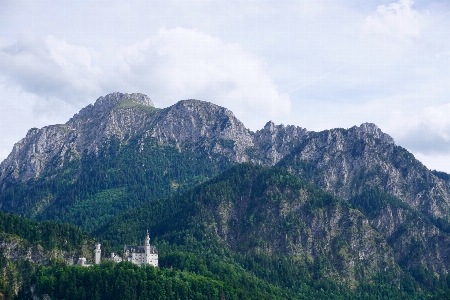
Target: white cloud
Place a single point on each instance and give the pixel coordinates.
(434, 162)
(172, 65)
(183, 63)
(426, 132)
(396, 20)
(49, 68)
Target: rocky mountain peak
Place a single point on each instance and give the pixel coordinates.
(270, 126)
(114, 99)
(106, 103)
(203, 107)
(275, 141)
(374, 130)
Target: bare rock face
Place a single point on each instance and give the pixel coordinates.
(345, 162)
(190, 124)
(371, 130)
(199, 125)
(31, 156)
(282, 219)
(50, 148)
(410, 236)
(339, 161)
(273, 142)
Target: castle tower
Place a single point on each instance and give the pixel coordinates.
(97, 253)
(147, 239)
(147, 248)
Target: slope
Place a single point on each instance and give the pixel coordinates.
(254, 210)
(26, 244)
(255, 232)
(348, 162)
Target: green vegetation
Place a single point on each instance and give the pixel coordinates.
(49, 235)
(23, 239)
(122, 176)
(128, 103)
(187, 229)
(231, 237)
(441, 175)
(127, 281)
(199, 262)
(194, 277)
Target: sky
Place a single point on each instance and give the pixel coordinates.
(317, 64)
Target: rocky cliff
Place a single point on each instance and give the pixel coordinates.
(350, 196)
(345, 162)
(189, 124)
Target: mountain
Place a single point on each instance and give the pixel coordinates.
(250, 232)
(294, 236)
(251, 209)
(190, 124)
(337, 208)
(345, 162)
(121, 151)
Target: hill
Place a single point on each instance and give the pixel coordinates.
(27, 244)
(289, 211)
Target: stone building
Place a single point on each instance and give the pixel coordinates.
(140, 255)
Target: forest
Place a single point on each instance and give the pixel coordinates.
(196, 262)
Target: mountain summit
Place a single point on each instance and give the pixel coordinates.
(351, 196)
(197, 125)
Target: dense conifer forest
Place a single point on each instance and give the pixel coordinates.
(198, 263)
(338, 214)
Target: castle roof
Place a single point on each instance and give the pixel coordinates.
(140, 249)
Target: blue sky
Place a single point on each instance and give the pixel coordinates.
(315, 64)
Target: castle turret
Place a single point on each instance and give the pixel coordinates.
(147, 239)
(147, 248)
(97, 253)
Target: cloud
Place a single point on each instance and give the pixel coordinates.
(427, 132)
(185, 63)
(398, 21)
(434, 162)
(173, 64)
(50, 68)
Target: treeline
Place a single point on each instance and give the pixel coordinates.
(119, 177)
(190, 276)
(124, 281)
(50, 235)
(21, 237)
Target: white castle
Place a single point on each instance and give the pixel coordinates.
(139, 255)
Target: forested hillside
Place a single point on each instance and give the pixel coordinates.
(118, 178)
(27, 244)
(280, 213)
(288, 233)
(252, 232)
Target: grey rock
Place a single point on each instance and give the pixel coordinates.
(189, 124)
(347, 161)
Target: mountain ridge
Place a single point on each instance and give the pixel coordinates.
(340, 205)
(95, 124)
(340, 161)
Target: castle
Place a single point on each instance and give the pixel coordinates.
(139, 255)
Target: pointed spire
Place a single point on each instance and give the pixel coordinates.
(147, 239)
